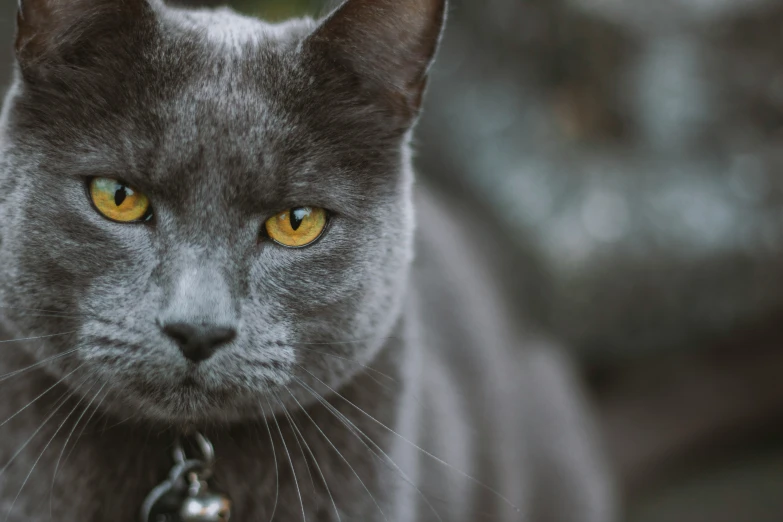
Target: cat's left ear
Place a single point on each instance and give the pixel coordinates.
(52, 33)
(389, 43)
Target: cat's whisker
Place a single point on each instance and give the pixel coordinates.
(315, 461)
(53, 386)
(357, 341)
(7, 341)
(274, 456)
(84, 426)
(296, 438)
(46, 447)
(53, 316)
(342, 457)
(368, 373)
(359, 434)
(123, 421)
(417, 447)
(63, 399)
(348, 359)
(65, 445)
(55, 312)
(14, 373)
(290, 461)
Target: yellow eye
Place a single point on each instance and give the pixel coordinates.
(297, 227)
(117, 201)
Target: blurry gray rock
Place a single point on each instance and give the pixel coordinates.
(635, 147)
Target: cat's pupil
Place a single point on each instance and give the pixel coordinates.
(297, 216)
(120, 195)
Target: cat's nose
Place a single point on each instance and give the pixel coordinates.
(199, 341)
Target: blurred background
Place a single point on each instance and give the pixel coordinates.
(632, 149)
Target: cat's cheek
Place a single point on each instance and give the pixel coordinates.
(304, 284)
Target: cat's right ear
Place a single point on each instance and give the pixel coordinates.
(72, 33)
(389, 44)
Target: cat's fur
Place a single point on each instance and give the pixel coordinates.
(223, 121)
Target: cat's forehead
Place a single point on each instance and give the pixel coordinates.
(228, 31)
(215, 88)
(219, 70)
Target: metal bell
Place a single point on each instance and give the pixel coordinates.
(185, 496)
(206, 506)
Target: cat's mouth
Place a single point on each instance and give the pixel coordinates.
(199, 394)
(189, 382)
(227, 387)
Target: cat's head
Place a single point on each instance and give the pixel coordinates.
(200, 209)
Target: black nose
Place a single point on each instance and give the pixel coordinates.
(199, 342)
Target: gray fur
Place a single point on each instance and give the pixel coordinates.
(224, 121)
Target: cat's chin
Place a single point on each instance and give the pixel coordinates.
(190, 402)
(190, 406)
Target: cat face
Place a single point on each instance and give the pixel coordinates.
(156, 164)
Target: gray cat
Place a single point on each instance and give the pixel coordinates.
(209, 222)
